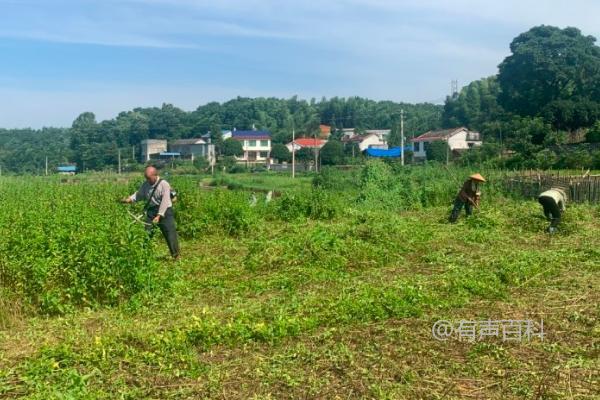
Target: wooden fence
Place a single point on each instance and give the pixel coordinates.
(580, 189)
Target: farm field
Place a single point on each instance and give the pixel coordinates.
(329, 291)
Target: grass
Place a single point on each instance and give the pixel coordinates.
(334, 307)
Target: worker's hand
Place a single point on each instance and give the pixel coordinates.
(156, 219)
(126, 200)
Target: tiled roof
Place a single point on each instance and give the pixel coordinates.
(310, 142)
(183, 142)
(252, 135)
(437, 135)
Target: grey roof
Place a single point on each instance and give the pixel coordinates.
(185, 142)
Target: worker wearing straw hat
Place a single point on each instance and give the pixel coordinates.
(554, 203)
(468, 197)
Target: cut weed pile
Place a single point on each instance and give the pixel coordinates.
(336, 300)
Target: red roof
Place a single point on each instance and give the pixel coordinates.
(310, 142)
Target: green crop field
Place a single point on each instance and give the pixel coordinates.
(329, 291)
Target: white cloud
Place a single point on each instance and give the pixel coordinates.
(397, 49)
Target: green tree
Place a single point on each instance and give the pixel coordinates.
(593, 134)
(232, 147)
(305, 155)
(280, 152)
(332, 153)
(553, 73)
(475, 105)
(437, 151)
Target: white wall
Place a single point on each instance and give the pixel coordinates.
(256, 148)
(419, 151)
(370, 141)
(458, 141)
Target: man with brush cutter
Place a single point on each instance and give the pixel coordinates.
(159, 208)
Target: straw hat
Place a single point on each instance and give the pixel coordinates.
(477, 177)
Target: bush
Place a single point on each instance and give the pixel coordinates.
(334, 179)
(71, 247)
(576, 159)
(593, 134)
(200, 213)
(315, 204)
(281, 153)
(437, 151)
(332, 153)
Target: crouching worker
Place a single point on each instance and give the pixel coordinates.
(468, 197)
(554, 203)
(159, 208)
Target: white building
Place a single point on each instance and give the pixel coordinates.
(151, 147)
(193, 148)
(256, 145)
(458, 139)
(372, 140)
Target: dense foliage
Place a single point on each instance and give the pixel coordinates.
(331, 288)
(553, 73)
(64, 245)
(94, 145)
(542, 101)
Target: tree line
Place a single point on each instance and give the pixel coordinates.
(94, 145)
(542, 109)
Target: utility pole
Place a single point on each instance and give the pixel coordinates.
(402, 137)
(316, 149)
(119, 153)
(293, 152)
(133, 154)
(46, 165)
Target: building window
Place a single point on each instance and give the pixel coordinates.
(252, 143)
(264, 154)
(264, 143)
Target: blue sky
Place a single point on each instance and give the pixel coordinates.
(63, 57)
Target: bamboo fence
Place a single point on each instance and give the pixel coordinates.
(584, 188)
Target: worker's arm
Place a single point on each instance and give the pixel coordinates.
(561, 204)
(134, 197)
(129, 199)
(165, 201)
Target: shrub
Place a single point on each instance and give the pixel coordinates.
(71, 247)
(593, 134)
(315, 204)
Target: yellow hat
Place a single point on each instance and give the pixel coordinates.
(477, 177)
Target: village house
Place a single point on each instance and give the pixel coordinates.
(310, 143)
(152, 147)
(194, 148)
(372, 139)
(458, 139)
(256, 145)
(324, 131)
(67, 169)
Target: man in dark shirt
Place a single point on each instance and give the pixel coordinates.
(159, 208)
(468, 197)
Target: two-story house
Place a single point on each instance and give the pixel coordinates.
(256, 145)
(458, 139)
